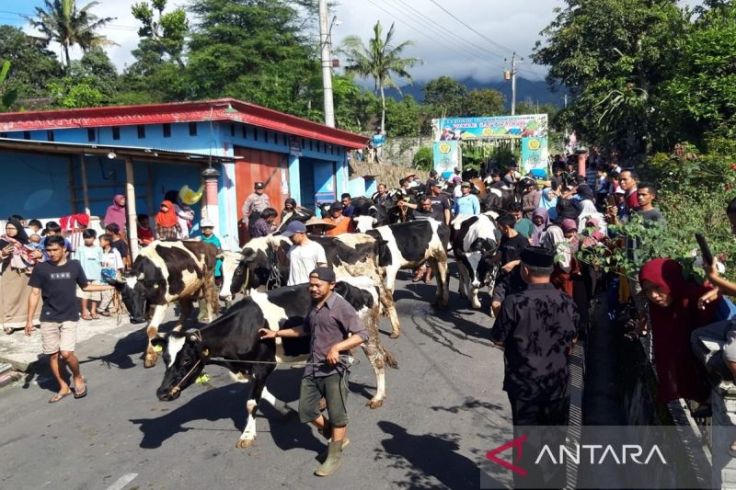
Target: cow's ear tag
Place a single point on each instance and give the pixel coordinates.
(206, 352)
(202, 379)
(158, 349)
(155, 286)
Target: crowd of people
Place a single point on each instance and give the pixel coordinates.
(543, 227)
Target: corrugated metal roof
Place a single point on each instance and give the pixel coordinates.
(228, 109)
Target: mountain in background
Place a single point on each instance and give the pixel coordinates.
(534, 91)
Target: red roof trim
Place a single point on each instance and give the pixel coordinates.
(178, 112)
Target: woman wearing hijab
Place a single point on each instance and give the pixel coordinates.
(540, 219)
(16, 262)
(565, 264)
(548, 201)
(674, 314)
(167, 223)
(116, 213)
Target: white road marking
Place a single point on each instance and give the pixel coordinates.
(121, 482)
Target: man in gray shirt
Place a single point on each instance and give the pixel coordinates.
(335, 328)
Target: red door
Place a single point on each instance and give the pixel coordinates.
(260, 166)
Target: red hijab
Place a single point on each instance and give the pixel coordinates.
(680, 374)
(167, 219)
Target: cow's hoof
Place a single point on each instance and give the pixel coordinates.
(244, 443)
(395, 335)
(375, 404)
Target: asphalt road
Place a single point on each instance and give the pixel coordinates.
(445, 409)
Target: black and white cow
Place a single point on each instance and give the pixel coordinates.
(234, 337)
(350, 255)
(475, 243)
(408, 245)
(168, 272)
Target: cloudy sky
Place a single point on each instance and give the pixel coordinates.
(467, 38)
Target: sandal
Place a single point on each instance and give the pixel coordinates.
(8, 330)
(95, 317)
(80, 394)
(104, 313)
(86, 317)
(59, 396)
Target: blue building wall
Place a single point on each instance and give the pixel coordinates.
(40, 185)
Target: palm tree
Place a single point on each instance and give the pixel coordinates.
(61, 21)
(379, 60)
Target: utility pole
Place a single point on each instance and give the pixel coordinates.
(513, 83)
(325, 44)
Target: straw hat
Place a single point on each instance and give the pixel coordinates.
(314, 221)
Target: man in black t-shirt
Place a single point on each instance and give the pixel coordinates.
(512, 243)
(440, 203)
(55, 280)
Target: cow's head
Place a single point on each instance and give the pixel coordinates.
(185, 355)
(256, 264)
(231, 262)
(364, 223)
(144, 285)
(480, 249)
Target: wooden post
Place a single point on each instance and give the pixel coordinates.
(132, 215)
(85, 188)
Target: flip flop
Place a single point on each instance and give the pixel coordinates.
(78, 395)
(59, 396)
(95, 317)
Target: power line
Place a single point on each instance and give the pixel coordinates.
(423, 33)
(505, 48)
(451, 35)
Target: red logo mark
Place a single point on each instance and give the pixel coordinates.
(515, 443)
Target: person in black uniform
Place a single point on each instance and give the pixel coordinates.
(536, 328)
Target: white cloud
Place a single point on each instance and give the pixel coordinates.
(445, 46)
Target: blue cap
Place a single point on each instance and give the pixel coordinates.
(294, 227)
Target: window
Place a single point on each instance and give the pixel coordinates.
(275, 139)
(167, 130)
(244, 130)
(283, 138)
(50, 135)
(26, 135)
(115, 133)
(255, 134)
(141, 132)
(311, 145)
(3, 135)
(232, 130)
(90, 134)
(192, 129)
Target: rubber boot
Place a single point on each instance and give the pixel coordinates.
(323, 455)
(332, 463)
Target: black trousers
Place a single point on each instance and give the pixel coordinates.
(542, 422)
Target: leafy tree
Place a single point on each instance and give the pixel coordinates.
(91, 81)
(158, 73)
(483, 102)
(612, 55)
(354, 107)
(380, 59)
(446, 95)
(7, 96)
(31, 64)
(405, 117)
(162, 34)
(701, 96)
(423, 159)
(253, 50)
(62, 22)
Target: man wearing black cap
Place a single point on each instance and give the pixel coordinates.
(537, 330)
(335, 329)
(255, 204)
